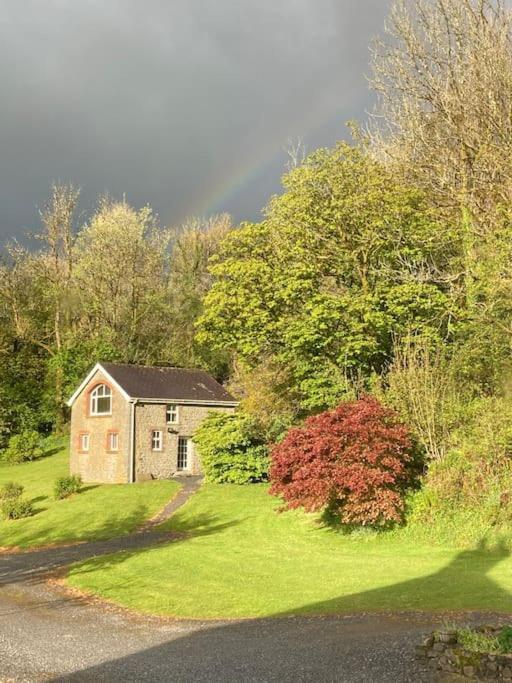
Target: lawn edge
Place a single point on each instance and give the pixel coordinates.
(59, 581)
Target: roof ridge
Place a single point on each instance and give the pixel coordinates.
(153, 367)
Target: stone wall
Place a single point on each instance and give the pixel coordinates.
(447, 656)
(99, 464)
(163, 464)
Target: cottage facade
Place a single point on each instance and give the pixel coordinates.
(133, 423)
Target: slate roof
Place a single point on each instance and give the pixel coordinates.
(170, 384)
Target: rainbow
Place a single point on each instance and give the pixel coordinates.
(215, 198)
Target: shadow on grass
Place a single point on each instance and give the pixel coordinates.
(88, 487)
(46, 454)
(368, 647)
(113, 550)
(39, 499)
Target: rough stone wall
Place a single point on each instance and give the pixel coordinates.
(163, 464)
(99, 464)
(448, 658)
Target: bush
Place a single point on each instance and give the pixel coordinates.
(66, 486)
(22, 447)
(467, 495)
(231, 449)
(475, 641)
(354, 462)
(16, 508)
(11, 490)
(422, 386)
(505, 639)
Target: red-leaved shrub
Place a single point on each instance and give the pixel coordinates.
(354, 461)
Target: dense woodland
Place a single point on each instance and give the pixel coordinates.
(384, 268)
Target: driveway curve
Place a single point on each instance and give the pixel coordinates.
(49, 634)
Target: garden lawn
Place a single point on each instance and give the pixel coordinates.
(100, 511)
(241, 558)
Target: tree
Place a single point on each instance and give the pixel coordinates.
(121, 281)
(35, 288)
(347, 257)
(56, 272)
(354, 461)
(423, 387)
(444, 80)
(193, 245)
(267, 395)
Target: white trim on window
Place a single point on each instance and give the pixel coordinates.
(113, 441)
(84, 442)
(101, 400)
(156, 440)
(184, 454)
(172, 415)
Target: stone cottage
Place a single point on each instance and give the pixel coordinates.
(132, 423)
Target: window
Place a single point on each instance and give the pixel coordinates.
(84, 442)
(101, 400)
(156, 440)
(113, 441)
(183, 453)
(172, 414)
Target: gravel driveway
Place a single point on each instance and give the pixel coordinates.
(45, 635)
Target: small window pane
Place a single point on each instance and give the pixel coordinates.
(84, 442)
(156, 440)
(172, 414)
(114, 441)
(103, 404)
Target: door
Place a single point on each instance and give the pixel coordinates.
(184, 454)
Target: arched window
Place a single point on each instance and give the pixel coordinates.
(101, 400)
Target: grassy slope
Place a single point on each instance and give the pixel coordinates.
(242, 559)
(97, 512)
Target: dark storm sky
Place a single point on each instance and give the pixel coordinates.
(183, 104)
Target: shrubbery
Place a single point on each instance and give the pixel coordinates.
(467, 495)
(354, 461)
(16, 508)
(22, 447)
(12, 505)
(11, 489)
(231, 449)
(66, 486)
(486, 642)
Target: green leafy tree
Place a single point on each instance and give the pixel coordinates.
(193, 245)
(347, 258)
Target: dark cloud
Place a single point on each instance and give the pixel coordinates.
(184, 104)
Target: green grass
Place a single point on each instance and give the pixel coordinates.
(240, 558)
(100, 511)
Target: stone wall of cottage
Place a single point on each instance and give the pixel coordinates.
(99, 464)
(162, 464)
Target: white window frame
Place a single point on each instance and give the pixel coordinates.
(100, 391)
(85, 442)
(156, 439)
(188, 442)
(113, 441)
(172, 410)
